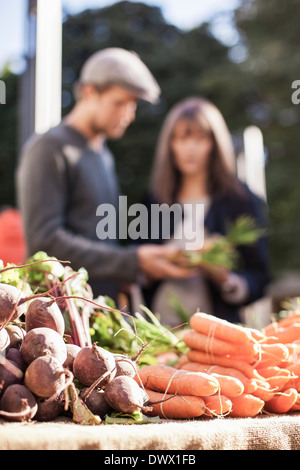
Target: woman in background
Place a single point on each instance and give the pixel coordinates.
(195, 164)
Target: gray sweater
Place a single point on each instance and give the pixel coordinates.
(61, 182)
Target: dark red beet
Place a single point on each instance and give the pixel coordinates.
(10, 297)
(18, 403)
(125, 365)
(4, 340)
(96, 402)
(16, 334)
(44, 376)
(43, 342)
(124, 394)
(9, 374)
(91, 363)
(14, 355)
(48, 410)
(43, 312)
(72, 351)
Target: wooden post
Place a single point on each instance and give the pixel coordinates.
(48, 65)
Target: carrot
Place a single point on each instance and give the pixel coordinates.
(246, 406)
(277, 377)
(293, 317)
(274, 354)
(296, 405)
(270, 330)
(294, 368)
(203, 342)
(264, 390)
(257, 334)
(249, 385)
(277, 351)
(217, 405)
(199, 356)
(288, 334)
(181, 361)
(175, 407)
(219, 328)
(269, 371)
(283, 401)
(163, 378)
(229, 386)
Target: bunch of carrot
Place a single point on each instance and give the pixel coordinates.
(229, 370)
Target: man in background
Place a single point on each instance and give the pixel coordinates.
(64, 175)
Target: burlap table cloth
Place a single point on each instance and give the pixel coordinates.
(280, 432)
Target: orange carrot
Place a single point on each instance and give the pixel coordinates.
(270, 330)
(264, 390)
(219, 328)
(199, 356)
(182, 360)
(294, 368)
(217, 405)
(276, 352)
(162, 378)
(248, 385)
(175, 407)
(210, 344)
(282, 402)
(246, 406)
(277, 377)
(269, 371)
(288, 334)
(296, 405)
(293, 317)
(257, 334)
(229, 386)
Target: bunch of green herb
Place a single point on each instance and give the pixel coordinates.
(222, 252)
(128, 335)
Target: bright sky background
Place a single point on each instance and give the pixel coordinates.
(185, 14)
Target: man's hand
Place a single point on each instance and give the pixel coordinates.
(155, 264)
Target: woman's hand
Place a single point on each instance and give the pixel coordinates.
(217, 274)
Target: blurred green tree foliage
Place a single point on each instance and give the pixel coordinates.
(269, 30)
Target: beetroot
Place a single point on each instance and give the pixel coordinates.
(124, 394)
(125, 365)
(48, 410)
(10, 297)
(72, 351)
(14, 355)
(16, 334)
(44, 376)
(96, 402)
(43, 312)
(18, 403)
(91, 363)
(9, 374)
(43, 342)
(4, 340)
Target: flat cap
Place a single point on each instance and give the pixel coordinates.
(117, 66)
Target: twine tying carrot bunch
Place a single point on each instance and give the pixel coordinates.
(229, 370)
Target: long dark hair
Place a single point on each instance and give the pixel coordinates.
(222, 163)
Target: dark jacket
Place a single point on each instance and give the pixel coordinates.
(254, 259)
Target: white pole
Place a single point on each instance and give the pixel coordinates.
(254, 161)
(48, 65)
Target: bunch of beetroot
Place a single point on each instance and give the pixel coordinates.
(43, 377)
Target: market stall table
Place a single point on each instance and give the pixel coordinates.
(280, 432)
